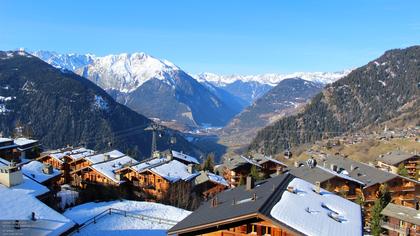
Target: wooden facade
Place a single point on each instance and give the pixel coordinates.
(148, 183)
(412, 165)
(62, 166)
(89, 175)
(403, 191)
(259, 228)
(235, 176)
(209, 189)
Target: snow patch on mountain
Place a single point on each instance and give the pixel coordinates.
(70, 61)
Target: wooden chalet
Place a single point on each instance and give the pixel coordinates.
(61, 159)
(153, 178)
(391, 162)
(359, 182)
(42, 173)
(103, 173)
(400, 220)
(237, 168)
(269, 165)
(209, 184)
(8, 149)
(28, 148)
(279, 206)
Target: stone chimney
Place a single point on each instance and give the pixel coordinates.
(190, 168)
(11, 175)
(249, 183)
(107, 157)
(296, 164)
(169, 157)
(334, 167)
(318, 187)
(214, 202)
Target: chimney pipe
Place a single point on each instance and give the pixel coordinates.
(249, 183)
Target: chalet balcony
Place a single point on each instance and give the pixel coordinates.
(407, 188)
(396, 228)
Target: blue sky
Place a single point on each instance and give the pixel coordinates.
(220, 36)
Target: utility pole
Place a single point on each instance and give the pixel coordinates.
(154, 128)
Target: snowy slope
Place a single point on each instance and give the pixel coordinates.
(115, 224)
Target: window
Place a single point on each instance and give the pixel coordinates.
(265, 230)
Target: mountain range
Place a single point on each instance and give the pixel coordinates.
(385, 90)
(60, 108)
(160, 89)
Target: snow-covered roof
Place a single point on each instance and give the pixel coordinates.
(34, 171)
(94, 159)
(313, 214)
(217, 179)
(28, 186)
(17, 204)
(73, 153)
(24, 141)
(148, 164)
(174, 171)
(185, 157)
(2, 140)
(108, 168)
(117, 224)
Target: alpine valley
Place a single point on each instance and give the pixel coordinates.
(160, 89)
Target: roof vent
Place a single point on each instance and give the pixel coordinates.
(291, 189)
(107, 157)
(318, 187)
(249, 183)
(333, 167)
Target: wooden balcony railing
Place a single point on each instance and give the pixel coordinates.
(395, 228)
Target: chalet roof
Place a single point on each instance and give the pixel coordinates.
(395, 157)
(3, 140)
(368, 175)
(25, 143)
(303, 211)
(18, 204)
(226, 210)
(94, 159)
(261, 159)
(237, 161)
(74, 153)
(109, 168)
(184, 157)
(403, 213)
(28, 186)
(311, 175)
(34, 171)
(173, 171)
(208, 176)
(146, 164)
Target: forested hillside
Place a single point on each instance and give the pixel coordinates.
(61, 108)
(384, 89)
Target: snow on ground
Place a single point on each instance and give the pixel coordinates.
(100, 103)
(116, 224)
(34, 170)
(68, 197)
(313, 214)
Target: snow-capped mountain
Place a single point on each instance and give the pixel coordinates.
(70, 61)
(272, 79)
(126, 72)
(150, 86)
